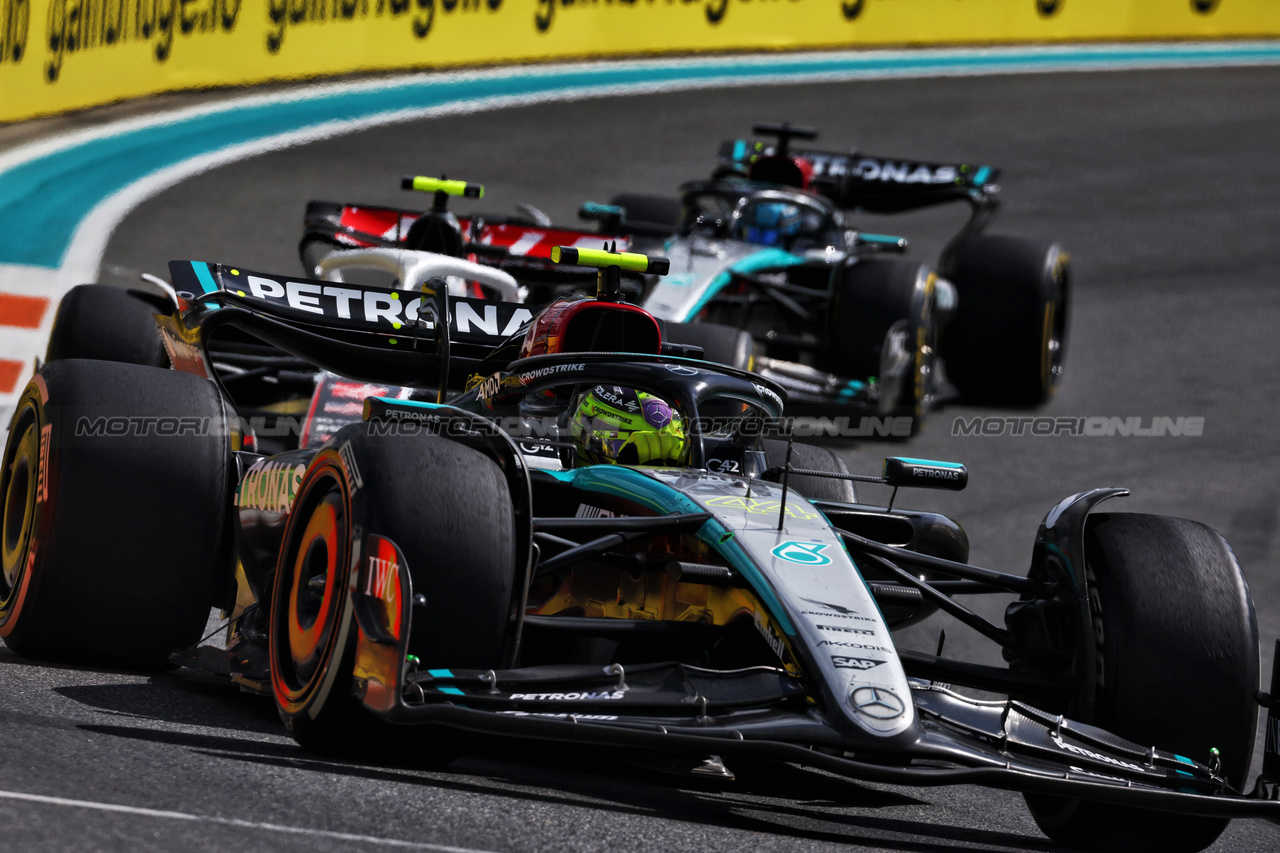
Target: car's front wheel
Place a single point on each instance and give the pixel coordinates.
(449, 511)
(1177, 666)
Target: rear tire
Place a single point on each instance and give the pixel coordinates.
(448, 509)
(105, 323)
(812, 458)
(657, 211)
(1007, 341)
(115, 544)
(720, 344)
(1170, 599)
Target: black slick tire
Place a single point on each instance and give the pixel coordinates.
(116, 535)
(1177, 643)
(448, 509)
(653, 211)
(720, 344)
(101, 322)
(811, 458)
(1006, 343)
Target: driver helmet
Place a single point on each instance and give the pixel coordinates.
(769, 223)
(613, 424)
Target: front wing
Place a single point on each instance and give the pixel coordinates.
(769, 713)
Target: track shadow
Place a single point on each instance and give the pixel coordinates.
(173, 698)
(768, 800)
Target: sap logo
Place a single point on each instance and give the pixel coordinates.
(842, 662)
(904, 173)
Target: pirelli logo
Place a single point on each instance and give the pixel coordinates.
(42, 475)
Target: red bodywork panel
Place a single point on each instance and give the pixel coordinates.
(521, 241)
(588, 325)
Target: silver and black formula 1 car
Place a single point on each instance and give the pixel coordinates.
(448, 565)
(768, 273)
(767, 246)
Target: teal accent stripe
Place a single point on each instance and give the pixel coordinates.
(452, 691)
(864, 237)
(207, 283)
(935, 463)
(661, 498)
(408, 404)
(981, 177)
(440, 673)
(762, 260)
(43, 200)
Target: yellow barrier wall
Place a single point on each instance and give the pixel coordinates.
(57, 55)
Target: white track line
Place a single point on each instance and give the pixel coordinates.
(235, 822)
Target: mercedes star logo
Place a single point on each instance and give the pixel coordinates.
(877, 703)
(681, 369)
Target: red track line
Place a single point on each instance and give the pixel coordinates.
(11, 371)
(25, 312)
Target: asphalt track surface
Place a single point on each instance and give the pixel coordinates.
(1163, 186)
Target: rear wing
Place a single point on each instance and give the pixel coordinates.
(867, 182)
(349, 226)
(363, 332)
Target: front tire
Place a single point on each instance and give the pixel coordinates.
(812, 458)
(449, 510)
(1177, 643)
